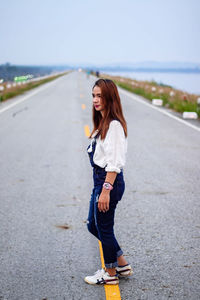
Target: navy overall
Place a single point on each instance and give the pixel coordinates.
(101, 224)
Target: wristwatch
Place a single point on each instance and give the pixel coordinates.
(107, 186)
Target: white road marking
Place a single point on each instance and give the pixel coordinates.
(137, 98)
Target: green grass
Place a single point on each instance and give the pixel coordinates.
(177, 104)
(31, 85)
(136, 90)
(184, 105)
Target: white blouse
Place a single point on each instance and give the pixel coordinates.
(110, 153)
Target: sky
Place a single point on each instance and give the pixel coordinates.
(56, 32)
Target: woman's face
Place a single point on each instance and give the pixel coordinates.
(97, 99)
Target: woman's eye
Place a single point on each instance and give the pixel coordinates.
(98, 96)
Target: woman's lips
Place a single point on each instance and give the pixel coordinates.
(96, 106)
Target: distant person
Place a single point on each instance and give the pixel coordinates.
(107, 152)
(88, 74)
(97, 74)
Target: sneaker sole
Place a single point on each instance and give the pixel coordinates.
(93, 283)
(126, 275)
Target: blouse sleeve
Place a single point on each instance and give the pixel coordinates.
(115, 147)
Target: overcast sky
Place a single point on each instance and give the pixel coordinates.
(103, 31)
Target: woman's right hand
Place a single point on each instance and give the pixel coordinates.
(104, 200)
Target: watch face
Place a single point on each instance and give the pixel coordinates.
(107, 186)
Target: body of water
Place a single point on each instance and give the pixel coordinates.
(188, 82)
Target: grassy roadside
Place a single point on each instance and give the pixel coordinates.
(172, 98)
(20, 89)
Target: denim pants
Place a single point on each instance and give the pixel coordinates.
(101, 224)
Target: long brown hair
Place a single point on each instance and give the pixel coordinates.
(112, 107)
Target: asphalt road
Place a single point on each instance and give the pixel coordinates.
(46, 181)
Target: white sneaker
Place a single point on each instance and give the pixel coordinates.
(102, 277)
(124, 271)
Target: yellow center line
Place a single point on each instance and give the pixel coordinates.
(112, 291)
(83, 106)
(87, 130)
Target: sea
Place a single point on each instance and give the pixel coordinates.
(188, 82)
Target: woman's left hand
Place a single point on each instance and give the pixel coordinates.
(104, 200)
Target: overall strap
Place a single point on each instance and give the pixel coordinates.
(97, 135)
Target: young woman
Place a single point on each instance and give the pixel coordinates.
(107, 156)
